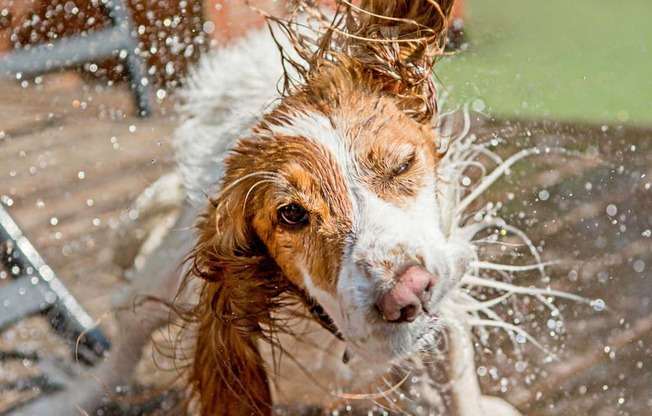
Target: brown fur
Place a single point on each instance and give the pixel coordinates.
(377, 83)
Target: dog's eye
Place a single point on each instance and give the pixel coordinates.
(404, 167)
(292, 214)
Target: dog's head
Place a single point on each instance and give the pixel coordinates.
(334, 198)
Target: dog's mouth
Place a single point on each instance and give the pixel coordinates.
(424, 334)
(386, 324)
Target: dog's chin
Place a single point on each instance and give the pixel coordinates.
(392, 342)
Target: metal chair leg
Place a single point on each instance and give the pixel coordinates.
(36, 288)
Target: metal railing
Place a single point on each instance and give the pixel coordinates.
(120, 39)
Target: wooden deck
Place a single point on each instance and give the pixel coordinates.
(73, 157)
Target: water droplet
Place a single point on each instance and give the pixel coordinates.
(208, 27)
(478, 105)
(133, 214)
(600, 242)
(6, 200)
(572, 275)
(50, 297)
(54, 221)
(597, 304)
(520, 366)
(544, 195)
(639, 266)
(611, 210)
(46, 273)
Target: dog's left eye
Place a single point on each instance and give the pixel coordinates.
(292, 214)
(403, 168)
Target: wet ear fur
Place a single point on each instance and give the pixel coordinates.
(240, 285)
(398, 40)
(394, 41)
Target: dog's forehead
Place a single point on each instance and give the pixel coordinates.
(352, 131)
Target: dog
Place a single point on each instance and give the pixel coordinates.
(323, 239)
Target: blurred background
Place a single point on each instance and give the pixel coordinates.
(586, 60)
(76, 153)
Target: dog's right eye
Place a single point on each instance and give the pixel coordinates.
(293, 215)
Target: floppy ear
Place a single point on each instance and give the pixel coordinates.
(398, 40)
(240, 285)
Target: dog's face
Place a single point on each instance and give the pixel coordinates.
(343, 196)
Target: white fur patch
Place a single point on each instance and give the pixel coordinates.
(224, 97)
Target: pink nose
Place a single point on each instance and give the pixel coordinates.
(406, 299)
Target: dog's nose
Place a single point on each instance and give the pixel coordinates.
(406, 299)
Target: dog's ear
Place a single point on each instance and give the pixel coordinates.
(398, 40)
(240, 284)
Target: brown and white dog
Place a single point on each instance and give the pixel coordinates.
(327, 207)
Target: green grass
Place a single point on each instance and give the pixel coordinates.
(571, 60)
